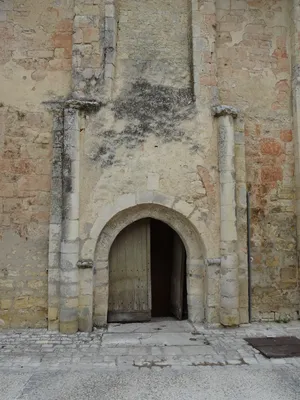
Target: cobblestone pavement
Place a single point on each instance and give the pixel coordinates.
(154, 345)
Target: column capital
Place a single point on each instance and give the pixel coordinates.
(85, 264)
(222, 110)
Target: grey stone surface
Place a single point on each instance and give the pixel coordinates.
(212, 383)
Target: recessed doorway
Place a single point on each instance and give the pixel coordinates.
(147, 273)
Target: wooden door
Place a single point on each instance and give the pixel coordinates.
(129, 275)
(177, 277)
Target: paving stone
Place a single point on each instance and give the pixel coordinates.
(250, 360)
(147, 346)
(234, 362)
(278, 361)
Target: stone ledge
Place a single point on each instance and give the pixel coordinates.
(79, 104)
(222, 110)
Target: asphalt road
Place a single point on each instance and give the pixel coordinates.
(201, 383)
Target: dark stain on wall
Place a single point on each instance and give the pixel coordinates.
(147, 110)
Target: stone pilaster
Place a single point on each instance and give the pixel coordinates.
(87, 49)
(295, 58)
(203, 19)
(63, 275)
(70, 224)
(110, 46)
(229, 282)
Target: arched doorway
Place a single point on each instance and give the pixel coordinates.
(147, 273)
(111, 221)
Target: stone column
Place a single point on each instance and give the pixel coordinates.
(229, 283)
(241, 216)
(295, 59)
(86, 286)
(68, 314)
(55, 222)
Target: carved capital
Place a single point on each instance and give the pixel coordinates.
(213, 261)
(222, 110)
(85, 264)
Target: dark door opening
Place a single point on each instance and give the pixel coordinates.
(168, 272)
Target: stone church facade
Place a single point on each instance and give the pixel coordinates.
(117, 111)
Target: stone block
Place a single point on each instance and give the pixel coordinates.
(100, 310)
(184, 208)
(68, 290)
(40, 53)
(90, 35)
(196, 314)
(228, 213)
(52, 313)
(226, 163)
(110, 56)
(97, 228)
(53, 326)
(228, 231)
(110, 11)
(85, 320)
(68, 261)
(227, 177)
(88, 249)
(125, 201)
(162, 199)
(231, 319)
(6, 5)
(110, 24)
(3, 15)
(153, 181)
(239, 5)
(83, 21)
(5, 304)
(200, 44)
(70, 247)
(100, 321)
(101, 277)
(68, 327)
(85, 300)
(53, 291)
(230, 287)
(78, 37)
(69, 276)
(144, 197)
(212, 315)
(86, 287)
(109, 72)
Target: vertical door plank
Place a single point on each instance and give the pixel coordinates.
(129, 271)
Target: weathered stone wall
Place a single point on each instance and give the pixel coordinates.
(35, 66)
(149, 136)
(155, 69)
(254, 74)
